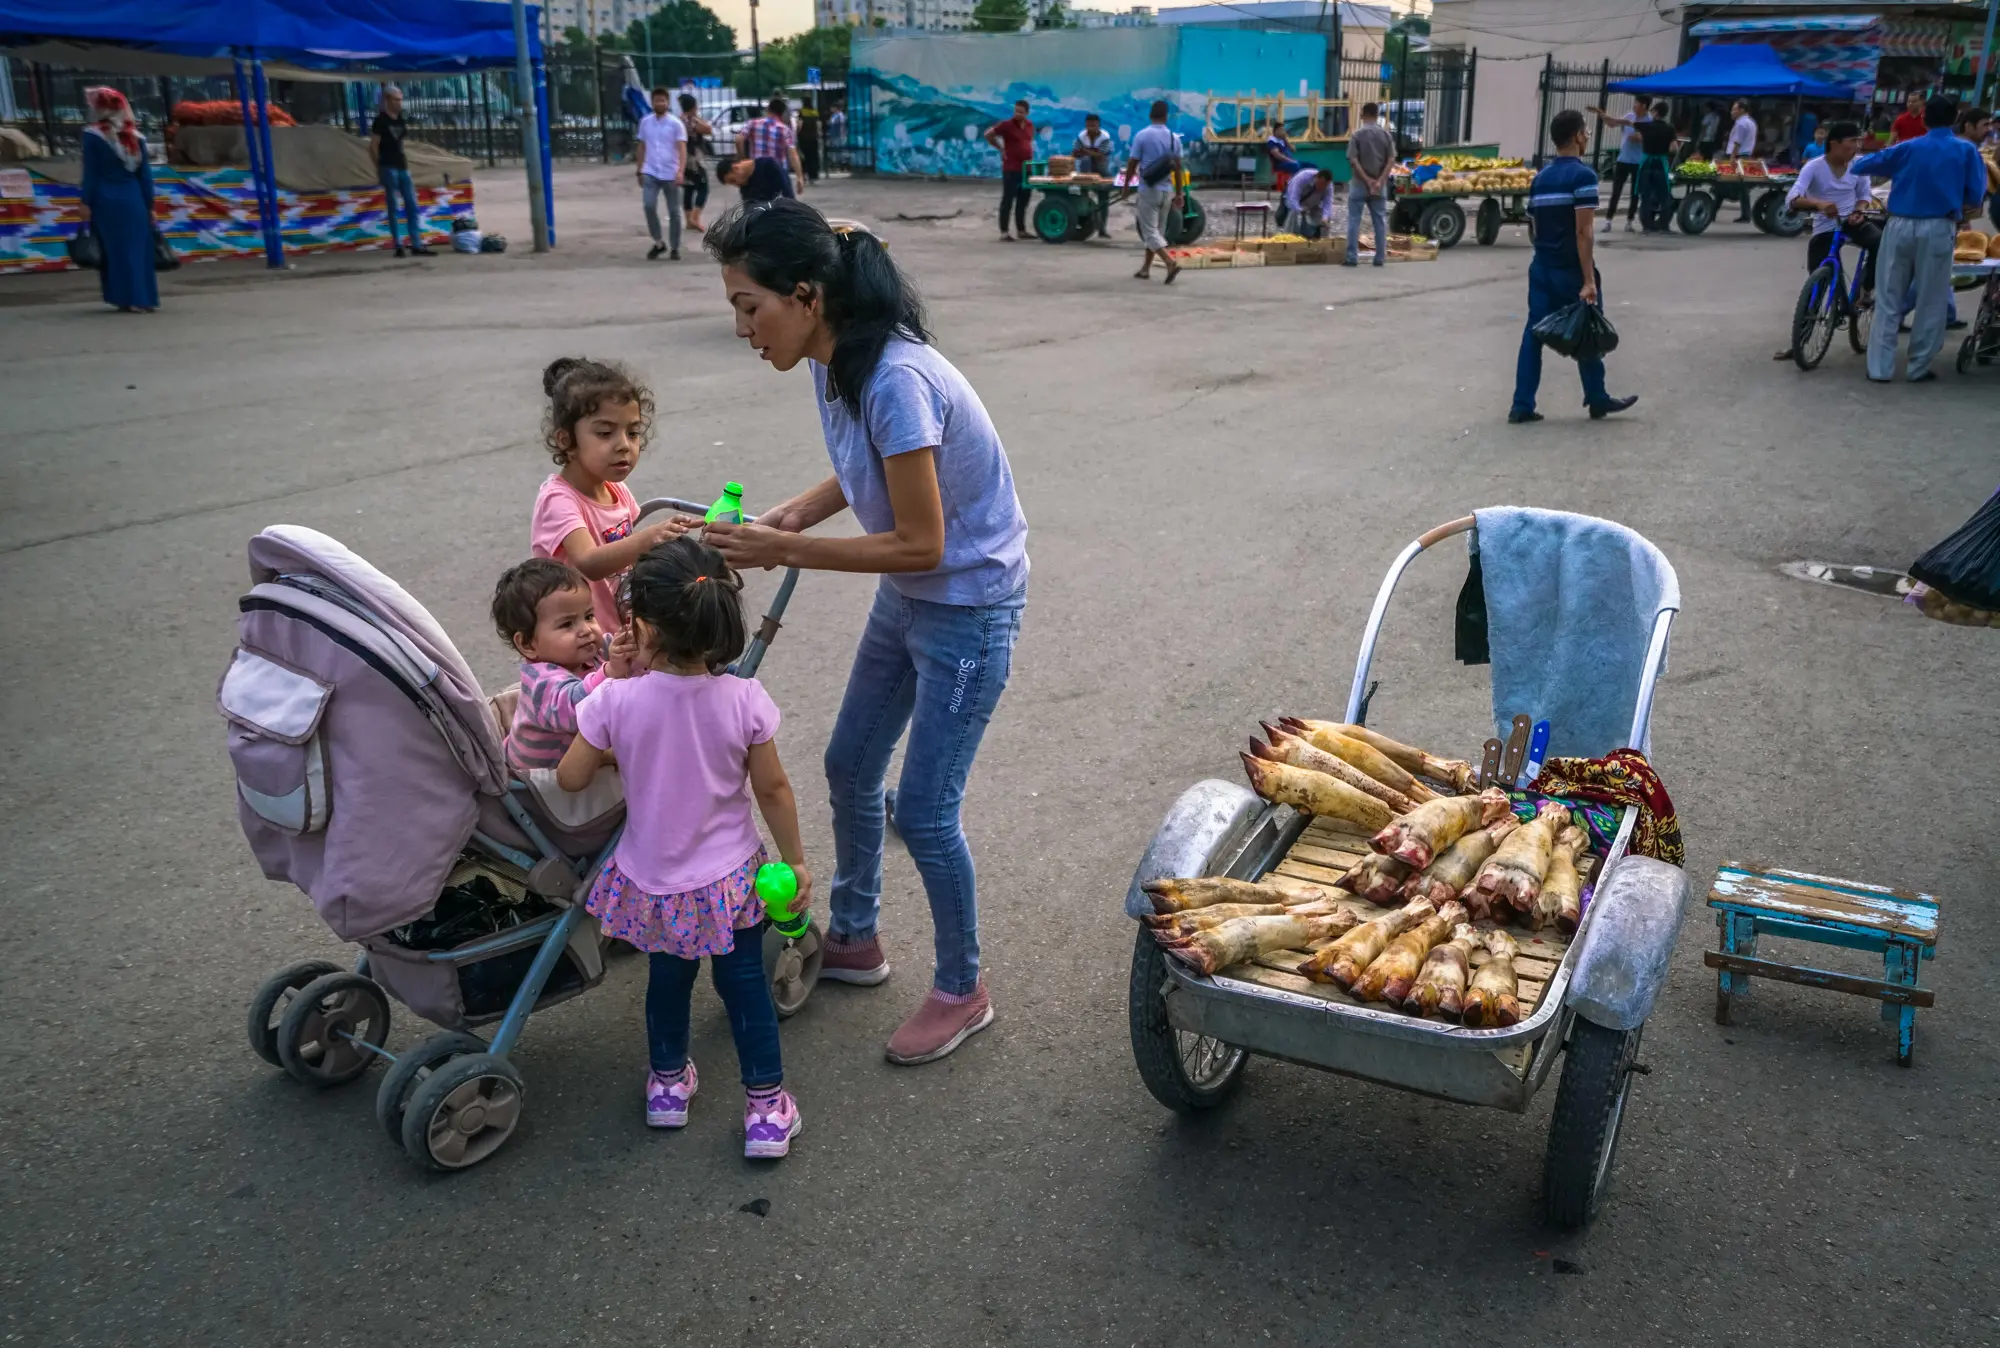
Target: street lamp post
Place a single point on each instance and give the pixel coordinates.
(531, 147)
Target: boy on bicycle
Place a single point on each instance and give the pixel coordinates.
(1836, 198)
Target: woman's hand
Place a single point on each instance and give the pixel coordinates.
(745, 546)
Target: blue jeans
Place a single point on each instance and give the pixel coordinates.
(1549, 289)
(395, 180)
(938, 669)
(746, 995)
(1377, 208)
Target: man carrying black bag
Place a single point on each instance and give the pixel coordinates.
(1563, 206)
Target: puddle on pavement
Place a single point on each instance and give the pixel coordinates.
(1884, 581)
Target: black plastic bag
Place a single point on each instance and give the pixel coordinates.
(1469, 640)
(1965, 568)
(164, 257)
(85, 251)
(1579, 331)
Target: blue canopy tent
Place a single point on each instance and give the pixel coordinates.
(309, 39)
(1732, 70)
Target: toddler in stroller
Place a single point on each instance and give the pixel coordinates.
(371, 774)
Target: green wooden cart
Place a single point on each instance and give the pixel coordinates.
(1066, 210)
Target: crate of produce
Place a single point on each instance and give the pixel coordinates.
(1242, 259)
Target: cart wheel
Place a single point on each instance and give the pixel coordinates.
(411, 1069)
(1696, 213)
(317, 1033)
(463, 1112)
(1083, 220)
(1583, 1133)
(1486, 226)
(1786, 223)
(1184, 226)
(1860, 322)
(1185, 1072)
(793, 967)
(1443, 223)
(1967, 349)
(268, 1007)
(1764, 210)
(1052, 219)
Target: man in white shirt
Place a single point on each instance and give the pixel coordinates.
(1742, 142)
(1092, 151)
(1836, 196)
(660, 148)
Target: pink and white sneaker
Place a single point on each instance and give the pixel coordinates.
(667, 1097)
(770, 1125)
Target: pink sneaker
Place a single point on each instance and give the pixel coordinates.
(768, 1135)
(667, 1099)
(859, 962)
(940, 1025)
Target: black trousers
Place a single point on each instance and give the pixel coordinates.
(1014, 193)
(1622, 173)
(1867, 234)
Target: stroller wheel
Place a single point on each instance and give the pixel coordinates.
(268, 1007)
(318, 1033)
(413, 1066)
(793, 968)
(463, 1112)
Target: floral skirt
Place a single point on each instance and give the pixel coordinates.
(690, 924)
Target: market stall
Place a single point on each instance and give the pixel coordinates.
(1750, 71)
(1431, 197)
(253, 42)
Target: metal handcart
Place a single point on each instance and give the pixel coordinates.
(1069, 209)
(1192, 1035)
(1440, 216)
(1982, 343)
(1704, 194)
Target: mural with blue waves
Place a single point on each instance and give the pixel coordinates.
(934, 95)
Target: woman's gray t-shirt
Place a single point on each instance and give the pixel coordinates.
(916, 399)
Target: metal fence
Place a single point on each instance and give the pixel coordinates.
(1581, 87)
(1426, 100)
(473, 115)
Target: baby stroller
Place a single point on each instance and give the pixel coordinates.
(370, 774)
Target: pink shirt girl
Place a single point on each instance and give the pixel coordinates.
(560, 510)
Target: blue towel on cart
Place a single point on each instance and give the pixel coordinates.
(1570, 604)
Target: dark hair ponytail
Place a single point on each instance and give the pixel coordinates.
(785, 244)
(692, 601)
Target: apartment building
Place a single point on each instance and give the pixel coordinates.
(935, 16)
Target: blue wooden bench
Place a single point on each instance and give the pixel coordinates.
(1753, 901)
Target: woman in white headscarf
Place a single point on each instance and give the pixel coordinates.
(118, 203)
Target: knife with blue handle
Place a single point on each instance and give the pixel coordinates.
(1538, 749)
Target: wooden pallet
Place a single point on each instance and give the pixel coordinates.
(1321, 856)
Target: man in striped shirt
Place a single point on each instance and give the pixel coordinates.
(1563, 206)
(771, 137)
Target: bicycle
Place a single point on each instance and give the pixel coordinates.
(1824, 302)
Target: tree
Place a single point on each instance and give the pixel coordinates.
(787, 59)
(1055, 16)
(1000, 16)
(693, 37)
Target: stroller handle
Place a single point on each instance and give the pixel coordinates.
(1649, 676)
(767, 630)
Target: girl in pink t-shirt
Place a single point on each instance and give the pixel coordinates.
(694, 745)
(598, 420)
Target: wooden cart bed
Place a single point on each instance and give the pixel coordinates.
(1321, 856)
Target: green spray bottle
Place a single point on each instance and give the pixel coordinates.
(777, 886)
(728, 508)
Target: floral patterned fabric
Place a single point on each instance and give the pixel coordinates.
(690, 924)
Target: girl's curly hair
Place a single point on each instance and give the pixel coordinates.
(577, 386)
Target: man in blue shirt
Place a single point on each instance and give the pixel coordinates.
(1563, 206)
(1937, 181)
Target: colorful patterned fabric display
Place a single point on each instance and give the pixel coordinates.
(1622, 777)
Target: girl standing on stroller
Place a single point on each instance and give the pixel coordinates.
(694, 745)
(597, 422)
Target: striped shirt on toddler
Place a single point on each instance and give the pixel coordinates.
(545, 717)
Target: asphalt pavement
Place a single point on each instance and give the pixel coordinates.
(1216, 475)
